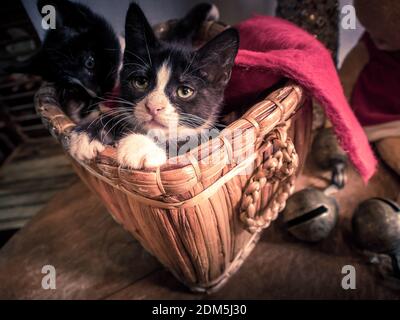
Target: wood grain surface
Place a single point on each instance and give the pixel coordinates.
(96, 259)
(33, 174)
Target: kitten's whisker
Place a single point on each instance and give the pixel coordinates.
(198, 68)
(124, 118)
(134, 64)
(111, 110)
(136, 56)
(92, 122)
(187, 116)
(134, 72)
(113, 99)
(190, 63)
(96, 120)
(101, 118)
(112, 72)
(147, 48)
(120, 101)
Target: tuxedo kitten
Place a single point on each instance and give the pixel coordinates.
(81, 57)
(166, 87)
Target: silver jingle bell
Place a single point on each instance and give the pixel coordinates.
(328, 154)
(326, 149)
(310, 215)
(376, 225)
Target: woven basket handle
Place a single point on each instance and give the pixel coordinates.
(53, 118)
(281, 166)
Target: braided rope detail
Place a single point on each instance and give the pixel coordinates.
(280, 167)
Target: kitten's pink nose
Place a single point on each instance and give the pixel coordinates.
(154, 109)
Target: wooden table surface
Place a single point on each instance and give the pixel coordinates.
(32, 175)
(95, 258)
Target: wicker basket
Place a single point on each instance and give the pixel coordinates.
(202, 218)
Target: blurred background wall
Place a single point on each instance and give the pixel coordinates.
(232, 11)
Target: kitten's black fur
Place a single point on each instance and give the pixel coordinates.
(187, 28)
(206, 70)
(81, 56)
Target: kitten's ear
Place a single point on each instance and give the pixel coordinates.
(217, 57)
(189, 26)
(138, 32)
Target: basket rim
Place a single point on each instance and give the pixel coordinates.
(266, 115)
(186, 170)
(276, 108)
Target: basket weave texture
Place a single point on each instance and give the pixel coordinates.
(202, 212)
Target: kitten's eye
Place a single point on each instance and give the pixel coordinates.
(184, 92)
(89, 63)
(140, 83)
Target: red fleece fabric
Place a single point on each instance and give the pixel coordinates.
(272, 49)
(375, 97)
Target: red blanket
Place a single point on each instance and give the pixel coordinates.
(375, 98)
(272, 49)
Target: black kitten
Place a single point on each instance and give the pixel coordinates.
(186, 29)
(81, 57)
(167, 87)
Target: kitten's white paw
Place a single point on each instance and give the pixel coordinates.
(83, 148)
(138, 151)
